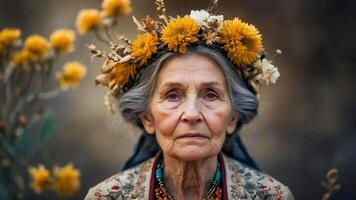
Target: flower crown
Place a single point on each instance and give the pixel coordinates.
(240, 41)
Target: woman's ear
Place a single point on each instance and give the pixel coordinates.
(147, 122)
(232, 124)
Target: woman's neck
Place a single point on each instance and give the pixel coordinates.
(189, 180)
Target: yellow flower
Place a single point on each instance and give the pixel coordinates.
(62, 40)
(143, 47)
(116, 7)
(72, 74)
(20, 58)
(67, 181)
(179, 33)
(37, 46)
(241, 41)
(121, 74)
(41, 179)
(87, 20)
(8, 36)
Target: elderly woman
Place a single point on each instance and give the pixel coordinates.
(190, 100)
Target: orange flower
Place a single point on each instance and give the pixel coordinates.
(116, 7)
(87, 20)
(179, 33)
(143, 47)
(62, 40)
(241, 41)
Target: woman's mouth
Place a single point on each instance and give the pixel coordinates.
(192, 137)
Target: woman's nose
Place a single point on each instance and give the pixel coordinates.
(191, 111)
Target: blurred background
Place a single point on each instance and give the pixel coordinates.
(306, 124)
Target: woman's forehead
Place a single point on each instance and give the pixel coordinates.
(188, 68)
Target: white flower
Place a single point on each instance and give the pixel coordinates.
(269, 74)
(203, 17)
(199, 16)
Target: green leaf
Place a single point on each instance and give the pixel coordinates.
(47, 128)
(4, 144)
(23, 143)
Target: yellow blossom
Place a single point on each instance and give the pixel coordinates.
(67, 181)
(8, 36)
(143, 47)
(87, 20)
(20, 58)
(179, 33)
(116, 7)
(121, 74)
(62, 40)
(72, 74)
(41, 179)
(37, 46)
(242, 41)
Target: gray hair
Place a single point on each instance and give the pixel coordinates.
(136, 100)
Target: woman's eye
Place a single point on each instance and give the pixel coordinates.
(173, 96)
(211, 96)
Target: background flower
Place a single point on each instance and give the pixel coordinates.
(62, 40)
(88, 19)
(41, 179)
(9, 36)
(179, 33)
(116, 7)
(67, 180)
(20, 58)
(37, 46)
(72, 74)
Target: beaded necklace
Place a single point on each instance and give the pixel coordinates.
(162, 193)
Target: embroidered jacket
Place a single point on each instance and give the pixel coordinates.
(240, 182)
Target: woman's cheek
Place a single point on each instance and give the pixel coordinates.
(165, 120)
(217, 119)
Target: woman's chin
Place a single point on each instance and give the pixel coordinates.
(193, 152)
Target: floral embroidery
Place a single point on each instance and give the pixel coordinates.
(242, 183)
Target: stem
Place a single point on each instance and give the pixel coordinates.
(100, 38)
(47, 95)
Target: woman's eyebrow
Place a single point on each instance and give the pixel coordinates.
(168, 85)
(211, 84)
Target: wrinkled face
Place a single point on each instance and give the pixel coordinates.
(190, 111)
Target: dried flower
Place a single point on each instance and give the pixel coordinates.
(116, 7)
(72, 74)
(179, 33)
(41, 179)
(67, 181)
(87, 20)
(62, 40)
(269, 74)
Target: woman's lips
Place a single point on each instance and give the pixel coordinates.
(192, 137)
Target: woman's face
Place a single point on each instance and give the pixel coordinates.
(190, 111)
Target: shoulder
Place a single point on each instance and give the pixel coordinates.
(129, 184)
(256, 184)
